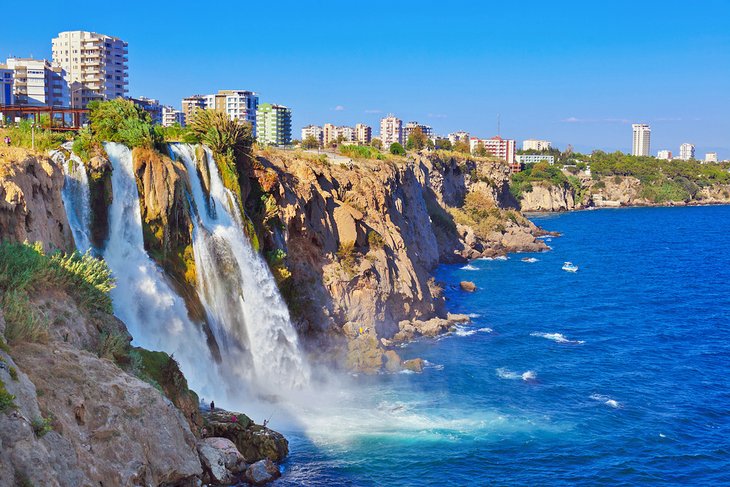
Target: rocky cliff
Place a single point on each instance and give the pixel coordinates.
(548, 197)
(31, 207)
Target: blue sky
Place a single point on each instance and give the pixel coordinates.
(572, 72)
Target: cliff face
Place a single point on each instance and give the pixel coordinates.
(31, 207)
(359, 242)
(548, 197)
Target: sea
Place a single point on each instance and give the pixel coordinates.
(617, 374)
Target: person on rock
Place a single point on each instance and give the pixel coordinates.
(212, 406)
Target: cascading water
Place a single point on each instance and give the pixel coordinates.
(246, 312)
(75, 197)
(154, 314)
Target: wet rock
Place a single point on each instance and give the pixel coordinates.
(468, 286)
(415, 365)
(392, 361)
(255, 442)
(262, 472)
(222, 462)
(458, 318)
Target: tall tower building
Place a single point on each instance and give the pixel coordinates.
(95, 65)
(391, 131)
(273, 124)
(642, 138)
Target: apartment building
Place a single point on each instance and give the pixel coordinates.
(332, 133)
(190, 105)
(455, 137)
(641, 140)
(172, 116)
(363, 134)
(150, 106)
(96, 65)
(6, 85)
(313, 131)
(534, 144)
(411, 126)
(239, 105)
(665, 155)
(37, 83)
(534, 158)
(686, 151)
(391, 131)
(496, 146)
(711, 157)
(273, 124)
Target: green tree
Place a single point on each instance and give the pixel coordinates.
(480, 150)
(416, 140)
(122, 121)
(310, 142)
(377, 143)
(462, 146)
(397, 149)
(444, 144)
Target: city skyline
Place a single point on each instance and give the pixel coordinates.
(588, 99)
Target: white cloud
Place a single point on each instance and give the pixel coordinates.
(339, 108)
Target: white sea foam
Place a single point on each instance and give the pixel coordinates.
(469, 267)
(431, 365)
(556, 337)
(530, 260)
(504, 373)
(485, 330)
(473, 315)
(499, 257)
(462, 331)
(607, 401)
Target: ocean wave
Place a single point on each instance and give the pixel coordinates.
(431, 365)
(504, 373)
(556, 337)
(469, 267)
(530, 260)
(607, 401)
(499, 257)
(473, 315)
(485, 330)
(462, 331)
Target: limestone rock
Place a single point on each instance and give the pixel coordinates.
(548, 197)
(222, 462)
(31, 207)
(392, 361)
(415, 365)
(468, 286)
(262, 472)
(255, 442)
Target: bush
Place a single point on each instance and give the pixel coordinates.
(113, 346)
(22, 135)
(397, 150)
(6, 399)
(25, 269)
(375, 240)
(361, 152)
(347, 258)
(41, 426)
(122, 121)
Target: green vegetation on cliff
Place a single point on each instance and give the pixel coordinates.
(25, 270)
(23, 135)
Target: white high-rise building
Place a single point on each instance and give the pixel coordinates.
(96, 65)
(642, 139)
(313, 131)
(37, 83)
(711, 157)
(172, 116)
(686, 151)
(665, 155)
(239, 105)
(496, 146)
(538, 145)
(363, 134)
(391, 131)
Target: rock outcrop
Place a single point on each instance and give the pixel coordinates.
(222, 462)
(31, 207)
(255, 442)
(548, 197)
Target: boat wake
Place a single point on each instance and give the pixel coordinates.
(556, 337)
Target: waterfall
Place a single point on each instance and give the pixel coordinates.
(75, 196)
(248, 317)
(154, 314)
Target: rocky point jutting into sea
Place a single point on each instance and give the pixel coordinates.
(329, 265)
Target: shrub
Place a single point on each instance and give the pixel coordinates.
(113, 346)
(22, 135)
(347, 258)
(397, 150)
(41, 426)
(361, 152)
(375, 240)
(13, 373)
(122, 121)
(6, 399)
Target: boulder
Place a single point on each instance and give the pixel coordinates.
(364, 354)
(262, 472)
(415, 365)
(458, 318)
(468, 286)
(255, 442)
(392, 361)
(221, 460)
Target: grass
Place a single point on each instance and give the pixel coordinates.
(25, 269)
(113, 346)
(6, 399)
(362, 152)
(22, 136)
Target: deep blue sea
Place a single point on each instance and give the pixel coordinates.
(616, 375)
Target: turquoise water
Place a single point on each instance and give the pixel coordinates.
(634, 390)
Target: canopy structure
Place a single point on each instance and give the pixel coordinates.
(70, 118)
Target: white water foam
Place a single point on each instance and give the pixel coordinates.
(462, 331)
(473, 315)
(556, 337)
(469, 267)
(607, 401)
(530, 260)
(485, 330)
(504, 373)
(248, 317)
(154, 314)
(75, 196)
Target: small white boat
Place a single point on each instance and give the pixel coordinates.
(570, 267)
